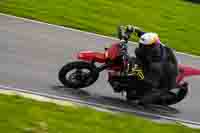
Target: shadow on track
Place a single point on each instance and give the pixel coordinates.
(73, 92)
(117, 102)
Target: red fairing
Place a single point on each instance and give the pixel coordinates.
(113, 52)
(186, 71)
(92, 56)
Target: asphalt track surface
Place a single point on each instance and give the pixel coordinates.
(31, 55)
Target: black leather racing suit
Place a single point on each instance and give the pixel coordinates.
(160, 71)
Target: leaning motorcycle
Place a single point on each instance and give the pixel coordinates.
(123, 74)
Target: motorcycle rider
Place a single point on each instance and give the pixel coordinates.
(159, 65)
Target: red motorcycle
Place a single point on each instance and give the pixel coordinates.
(122, 72)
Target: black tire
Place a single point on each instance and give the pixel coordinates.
(94, 74)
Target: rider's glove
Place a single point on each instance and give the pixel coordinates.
(131, 29)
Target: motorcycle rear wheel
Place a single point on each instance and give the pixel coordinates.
(81, 79)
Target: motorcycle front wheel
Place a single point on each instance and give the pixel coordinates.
(78, 74)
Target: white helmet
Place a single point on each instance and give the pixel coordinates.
(149, 39)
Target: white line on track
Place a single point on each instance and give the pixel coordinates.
(76, 30)
(103, 106)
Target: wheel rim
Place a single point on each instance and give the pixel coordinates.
(79, 76)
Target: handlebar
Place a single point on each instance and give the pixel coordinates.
(124, 34)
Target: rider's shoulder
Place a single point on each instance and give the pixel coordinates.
(165, 46)
(168, 49)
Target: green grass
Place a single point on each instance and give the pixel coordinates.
(21, 115)
(177, 21)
